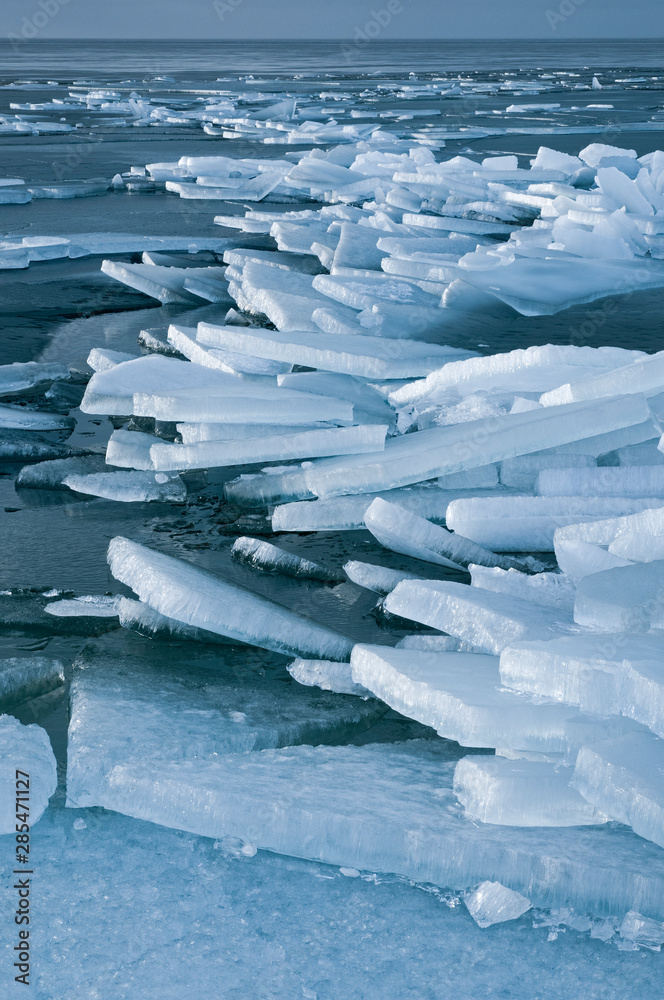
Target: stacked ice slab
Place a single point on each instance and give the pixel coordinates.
(341, 365)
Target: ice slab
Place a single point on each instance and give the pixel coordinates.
(88, 606)
(112, 391)
(195, 433)
(22, 419)
(614, 481)
(168, 284)
(270, 558)
(139, 617)
(183, 339)
(380, 579)
(366, 357)
(100, 359)
(521, 473)
(437, 452)
(486, 620)
(129, 487)
(623, 777)
(528, 524)
(544, 287)
(271, 447)
(51, 475)
(520, 793)
(240, 402)
(635, 537)
(196, 597)
(460, 696)
(625, 599)
(28, 677)
(436, 644)
(25, 754)
(28, 446)
(130, 449)
(28, 376)
(327, 675)
(402, 531)
(142, 709)
(364, 807)
(604, 673)
(347, 513)
(645, 375)
(493, 903)
(532, 370)
(553, 590)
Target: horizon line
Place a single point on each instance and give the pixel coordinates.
(223, 41)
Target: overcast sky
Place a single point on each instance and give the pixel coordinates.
(334, 19)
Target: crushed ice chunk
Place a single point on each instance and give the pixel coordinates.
(493, 903)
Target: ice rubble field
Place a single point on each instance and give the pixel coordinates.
(475, 746)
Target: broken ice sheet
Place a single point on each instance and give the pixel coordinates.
(364, 807)
(159, 709)
(129, 487)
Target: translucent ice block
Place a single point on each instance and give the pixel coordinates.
(142, 709)
(328, 675)
(268, 557)
(553, 590)
(493, 903)
(367, 357)
(612, 481)
(461, 697)
(606, 673)
(365, 807)
(626, 599)
(522, 524)
(271, 447)
(520, 793)
(623, 777)
(402, 531)
(129, 487)
(484, 619)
